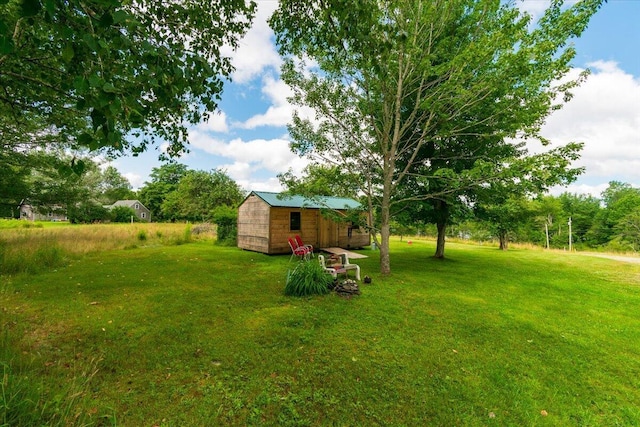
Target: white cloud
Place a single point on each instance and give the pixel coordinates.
(592, 190)
(134, 179)
(280, 112)
(604, 114)
(248, 157)
(535, 8)
(217, 123)
(256, 49)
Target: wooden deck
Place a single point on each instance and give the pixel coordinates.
(336, 251)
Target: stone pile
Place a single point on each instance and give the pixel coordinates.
(347, 288)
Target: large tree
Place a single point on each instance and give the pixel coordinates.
(100, 72)
(396, 76)
(114, 186)
(199, 193)
(164, 180)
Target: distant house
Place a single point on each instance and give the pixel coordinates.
(266, 220)
(141, 211)
(29, 212)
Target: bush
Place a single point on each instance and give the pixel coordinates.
(123, 214)
(87, 212)
(307, 278)
(226, 218)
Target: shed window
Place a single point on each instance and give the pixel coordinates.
(143, 215)
(294, 221)
(137, 206)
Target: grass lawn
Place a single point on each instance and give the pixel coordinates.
(198, 334)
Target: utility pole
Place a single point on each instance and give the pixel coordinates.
(570, 242)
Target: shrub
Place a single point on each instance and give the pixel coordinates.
(123, 214)
(226, 218)
(307, 278)
(142, 235)
(87, 212)
(187, 233)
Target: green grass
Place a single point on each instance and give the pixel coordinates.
(200, 334)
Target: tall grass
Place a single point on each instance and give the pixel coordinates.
(25, 401)
(34, 249)
(307, 278)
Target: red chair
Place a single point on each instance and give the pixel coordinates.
(299, 251)
(300, 244)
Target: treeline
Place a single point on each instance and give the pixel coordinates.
(610, 222)
(82, 190)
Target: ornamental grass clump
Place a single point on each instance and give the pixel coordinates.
(307, 278)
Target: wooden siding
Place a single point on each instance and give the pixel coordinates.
(253, 225)
(280, 231)
(263, 228)
(358, 238)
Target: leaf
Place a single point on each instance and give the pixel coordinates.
(109, 88)
(6, 45)
(90, 41)
(95, 81)
(68, 53)
(97, 118)
(78, 166)
(106, 20)
(30, 8)
(85, 138)
(120, 16)
(80, 84)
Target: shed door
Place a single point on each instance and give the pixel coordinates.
(327, 232)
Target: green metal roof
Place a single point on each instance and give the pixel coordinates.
(320, 202)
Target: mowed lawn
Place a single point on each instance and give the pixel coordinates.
(198, 334)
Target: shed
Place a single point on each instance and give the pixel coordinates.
(266, 220)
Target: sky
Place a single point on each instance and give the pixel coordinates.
(248, 136)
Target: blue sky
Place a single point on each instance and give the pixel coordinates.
(248, 137)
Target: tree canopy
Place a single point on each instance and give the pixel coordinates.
(113, 73)
(426, 93)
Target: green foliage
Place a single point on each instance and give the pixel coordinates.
(307, 278)
(164, 180)
(99, 72)
(123, 214)
(440, 85)
(87, 212)
(226, 219)
(142, 235)
(321, 180)
(198, 193)
(114, 186)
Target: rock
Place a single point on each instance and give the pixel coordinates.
(346, 288)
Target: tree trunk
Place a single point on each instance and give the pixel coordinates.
(442, 216)
(441, 239)
(504, 240)
(385, 233)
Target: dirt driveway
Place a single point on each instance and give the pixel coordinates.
(632, 259)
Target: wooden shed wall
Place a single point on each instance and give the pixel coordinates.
(265, 229)
(280, 228)
(358, 238)
(253, 225)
